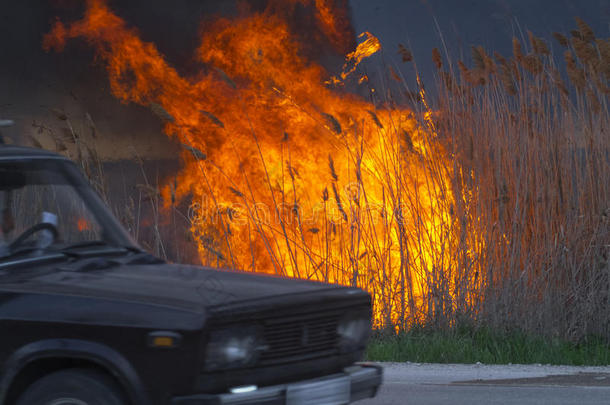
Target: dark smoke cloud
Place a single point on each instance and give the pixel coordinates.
(32, 82)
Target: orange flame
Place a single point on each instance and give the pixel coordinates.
(286, 175)
(82, 224)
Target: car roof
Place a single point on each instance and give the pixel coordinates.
(21, 152)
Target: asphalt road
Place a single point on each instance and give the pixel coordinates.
(458, 384)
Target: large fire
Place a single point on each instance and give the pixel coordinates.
(288, 173)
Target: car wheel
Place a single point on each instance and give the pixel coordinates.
(73, 387)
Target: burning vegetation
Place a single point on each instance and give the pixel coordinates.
(491, 206)
(287, 175)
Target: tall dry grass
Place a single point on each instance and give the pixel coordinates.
(531, 153)
(498, 215)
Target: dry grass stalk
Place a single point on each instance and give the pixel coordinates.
(437, 59)
(394, 75)
(585, 52)
(375, 119)
(507, 78)
(533, 64)
(586, 33)
(213, 118)
(538, 45)
(576, 74)
(478, 58)
(604, 50)
(335, 126)
(562, 39)
(197, 153)
(517, 50)
(404, 53)
(161, 112)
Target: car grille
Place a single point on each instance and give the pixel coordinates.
(300, 338)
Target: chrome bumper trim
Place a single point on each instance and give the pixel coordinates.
(362, 380)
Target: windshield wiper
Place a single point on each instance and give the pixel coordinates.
(98, 244)
(65, 250)
(101, 248)
(20, 252)
(29, 254)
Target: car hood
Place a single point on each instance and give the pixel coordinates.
(189, 288)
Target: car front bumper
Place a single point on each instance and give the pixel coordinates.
(354, 383)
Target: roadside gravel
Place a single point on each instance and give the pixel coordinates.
(424, 373)
(480, 384)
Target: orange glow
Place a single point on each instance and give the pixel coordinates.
(285, 174)
(82, 224)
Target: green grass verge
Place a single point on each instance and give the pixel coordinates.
(485, 346)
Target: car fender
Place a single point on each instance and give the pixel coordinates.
(98, 353)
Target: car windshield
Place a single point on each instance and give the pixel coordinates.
(47, 205)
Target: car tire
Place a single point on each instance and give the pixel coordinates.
(73, 387)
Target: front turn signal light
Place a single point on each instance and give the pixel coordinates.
(164, 340)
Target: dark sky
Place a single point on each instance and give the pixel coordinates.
(462, 23)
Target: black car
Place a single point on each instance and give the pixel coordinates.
(87, 317)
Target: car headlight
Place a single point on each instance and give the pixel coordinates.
(233, 348)
(354, 329)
